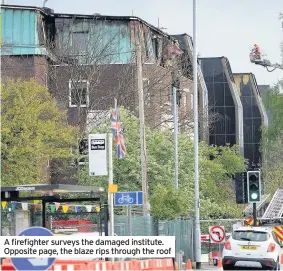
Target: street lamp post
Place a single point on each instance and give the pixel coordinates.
(196, 138)
(175, 115)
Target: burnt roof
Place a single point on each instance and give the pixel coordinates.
(90, 16)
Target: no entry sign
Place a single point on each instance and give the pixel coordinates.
(217, 234)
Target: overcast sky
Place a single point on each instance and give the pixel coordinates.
(225, 27)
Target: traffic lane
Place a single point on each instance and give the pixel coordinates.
(245, 268)
(206, 266)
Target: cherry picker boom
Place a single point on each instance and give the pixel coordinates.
(257, 58)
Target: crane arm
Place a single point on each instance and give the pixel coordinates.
(258, 60)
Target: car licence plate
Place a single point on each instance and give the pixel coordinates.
(249, 247)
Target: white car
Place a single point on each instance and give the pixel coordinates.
(254, 247)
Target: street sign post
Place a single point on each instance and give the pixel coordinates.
(217, 234)
(97, 151)
(32, 264)
(128, 198)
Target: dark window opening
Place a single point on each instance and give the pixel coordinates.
(79, 94)
(155, 47)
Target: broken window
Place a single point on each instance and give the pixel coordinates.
(79, 36)
(79, 42)
(78, 93)
(40, 31)
(155, 47)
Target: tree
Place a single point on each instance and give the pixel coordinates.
(166, 203)
(272, 142)
(34, 131)
(272, 139)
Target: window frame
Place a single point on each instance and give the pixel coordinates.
(75, 51)
(71, 82)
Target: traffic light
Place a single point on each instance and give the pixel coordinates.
(241, 188)
(254, 186)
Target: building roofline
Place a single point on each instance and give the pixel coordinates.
(253, 78)
(25, 8)
(97, 16)
(113, 17)
(183, 34)
(227, 62)
(243, 73)
(213, 57)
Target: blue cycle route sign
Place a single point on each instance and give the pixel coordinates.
(33, 264)
(128, 198)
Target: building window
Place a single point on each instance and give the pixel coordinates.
(79, 42)
(78, 93)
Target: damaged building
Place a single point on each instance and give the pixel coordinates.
(88, 60)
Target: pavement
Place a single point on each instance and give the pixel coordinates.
(207, 266)
(204, 266)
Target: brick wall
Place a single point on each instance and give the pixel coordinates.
(25, 67)
(119, 81)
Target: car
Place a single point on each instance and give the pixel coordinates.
(253, 247)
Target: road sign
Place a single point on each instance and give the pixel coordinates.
(128, 198)
(31, 264)
(112, 188)
(97, 151)
(217, 234)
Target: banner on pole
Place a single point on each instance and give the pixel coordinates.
(97, 149)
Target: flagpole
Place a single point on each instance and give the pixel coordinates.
(110, 181)
(175, 115)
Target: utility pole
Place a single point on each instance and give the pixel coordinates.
(142, 128)
(195, 79)
(254, 214)
(175, 115)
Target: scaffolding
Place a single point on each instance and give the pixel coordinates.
(275, 207)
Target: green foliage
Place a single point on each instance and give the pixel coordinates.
(33, 131)
(273, 103)
(272, 143)
(216, 195)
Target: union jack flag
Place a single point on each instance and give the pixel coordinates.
(117, 133)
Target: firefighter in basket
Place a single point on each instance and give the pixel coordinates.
(255, 54)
